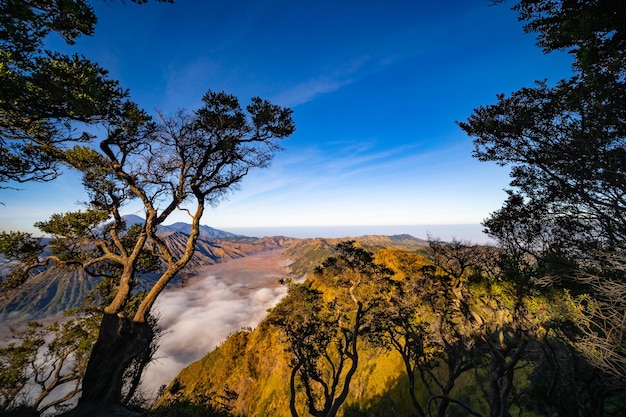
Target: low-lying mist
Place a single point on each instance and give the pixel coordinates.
(199, 316)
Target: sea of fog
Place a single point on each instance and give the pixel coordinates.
(447, 232)
(198, 317)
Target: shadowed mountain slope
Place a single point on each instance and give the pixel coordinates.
(59, 289)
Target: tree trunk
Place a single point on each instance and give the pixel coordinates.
(292, 389)
(119, 342)
(410, 373)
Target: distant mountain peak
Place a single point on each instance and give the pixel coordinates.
(133, 219)
(181, 227)
(205, 231)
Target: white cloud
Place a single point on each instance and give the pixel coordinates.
(200, 316)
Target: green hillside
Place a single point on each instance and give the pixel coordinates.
(255, 366)
(434, 335)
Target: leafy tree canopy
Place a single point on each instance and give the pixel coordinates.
(44, 94)
(566, 146)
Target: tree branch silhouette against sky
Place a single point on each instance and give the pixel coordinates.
(376, 88)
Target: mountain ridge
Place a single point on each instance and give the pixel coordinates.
(58, 289)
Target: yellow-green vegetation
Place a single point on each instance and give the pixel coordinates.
(255, 365)
(310, 253)
(435, 333)
(252, 364)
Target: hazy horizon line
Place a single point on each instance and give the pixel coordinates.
(472, 232)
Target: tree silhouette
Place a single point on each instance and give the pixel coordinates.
(324, 327)
(563, 223)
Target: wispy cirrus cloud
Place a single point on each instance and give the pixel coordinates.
(331, 80)
(308, 90)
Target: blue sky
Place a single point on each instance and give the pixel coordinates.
(376, 88)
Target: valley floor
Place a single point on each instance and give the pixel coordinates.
(261, 270)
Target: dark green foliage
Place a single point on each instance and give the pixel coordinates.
(20, 254)
(43, 92)
(563, 225)
(19, 245)
(567, 160)
(594, 32)
(189, 408)
(565, 144)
